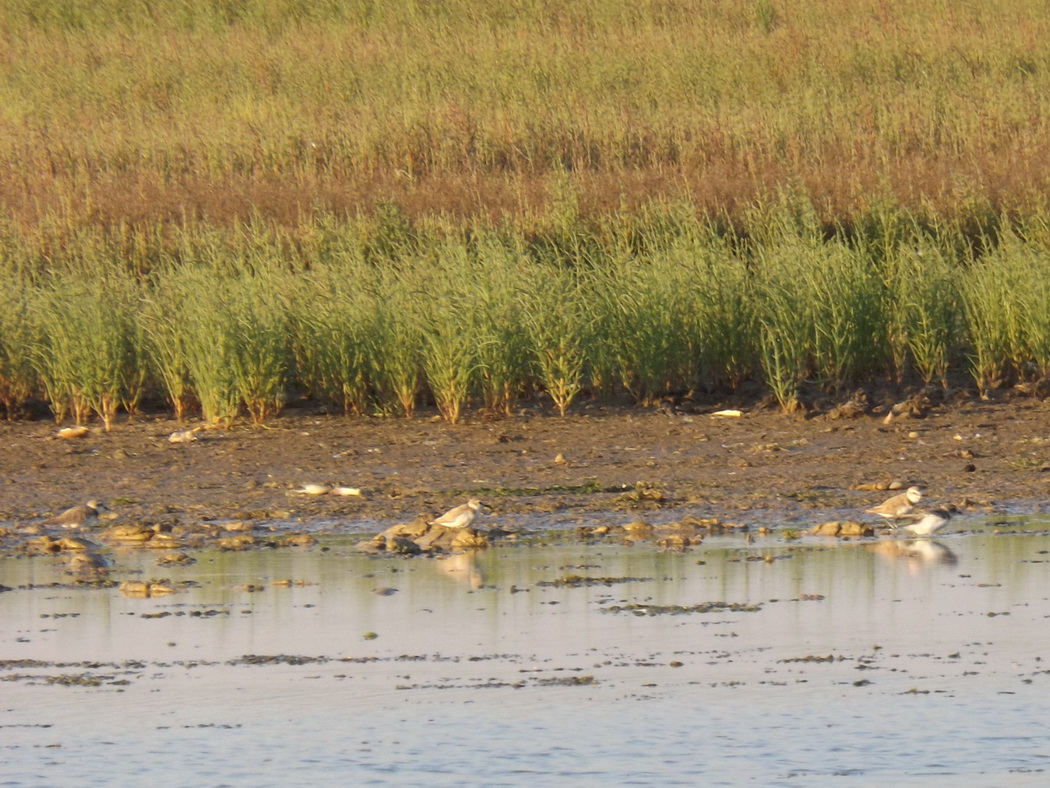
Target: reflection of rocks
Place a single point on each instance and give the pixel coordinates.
(843, 528)
(87, 567)
(681, 535)
(421, 537)
(177, 559)
(45, 545)
(137, 589)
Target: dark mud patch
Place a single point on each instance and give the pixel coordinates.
(580, 581)
(642, 609)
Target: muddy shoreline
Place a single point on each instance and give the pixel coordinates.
(985, 457)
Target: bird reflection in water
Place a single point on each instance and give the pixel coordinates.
(464, 568)
(917, 552)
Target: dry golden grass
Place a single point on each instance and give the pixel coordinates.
(281, 108)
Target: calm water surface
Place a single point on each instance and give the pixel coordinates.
(812, 663)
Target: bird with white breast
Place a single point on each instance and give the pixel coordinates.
(460, 516)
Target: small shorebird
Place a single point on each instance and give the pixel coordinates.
(459, 517)
(78, 516)
(932, 521)
(898, 506)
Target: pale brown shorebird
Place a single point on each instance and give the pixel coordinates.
(460, 516)
(932, 521)
(898, 506)
(78, 516)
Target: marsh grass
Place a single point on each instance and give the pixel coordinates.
(88, 354)
(925, 313)
(149, 113)
(161, 318)
(448, 308)
(1007, 303)
(397, 345)
(495, 280)
(556, 320)
(334, 326)
(381, 317)
(18, 377)
(209, 332)
(261, 340)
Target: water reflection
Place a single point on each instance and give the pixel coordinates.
(463, 568)
(585, 663)
(916, 552)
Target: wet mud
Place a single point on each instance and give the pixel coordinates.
(764, 466)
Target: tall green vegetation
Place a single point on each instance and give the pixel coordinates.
(384, 316)
(88, 350)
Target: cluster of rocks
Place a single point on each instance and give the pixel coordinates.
(420, 536)
(167, 535)
(843, 528)
(89, 562)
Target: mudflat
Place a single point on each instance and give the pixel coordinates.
(763, 465)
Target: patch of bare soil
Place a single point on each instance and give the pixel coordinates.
(761, 466)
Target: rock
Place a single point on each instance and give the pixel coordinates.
(179, 559)
(640, 529)
(401, 545)
(300, 540)
(843, 528)
(469, 539)
(137, 589)
(128, 534)
(42, 545)
(676, 542)
(239, 542)
(70, 544)
(372, 546)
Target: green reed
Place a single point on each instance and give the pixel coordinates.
(209, 339)
(494, 282)
(924, 312)
(556, 321)
(88, 354)
(334, 326)
(449, 328)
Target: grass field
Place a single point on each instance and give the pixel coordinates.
(386, 204)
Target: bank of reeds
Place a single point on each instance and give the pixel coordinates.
(384, 317)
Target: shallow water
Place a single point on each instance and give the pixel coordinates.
(916, 663)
